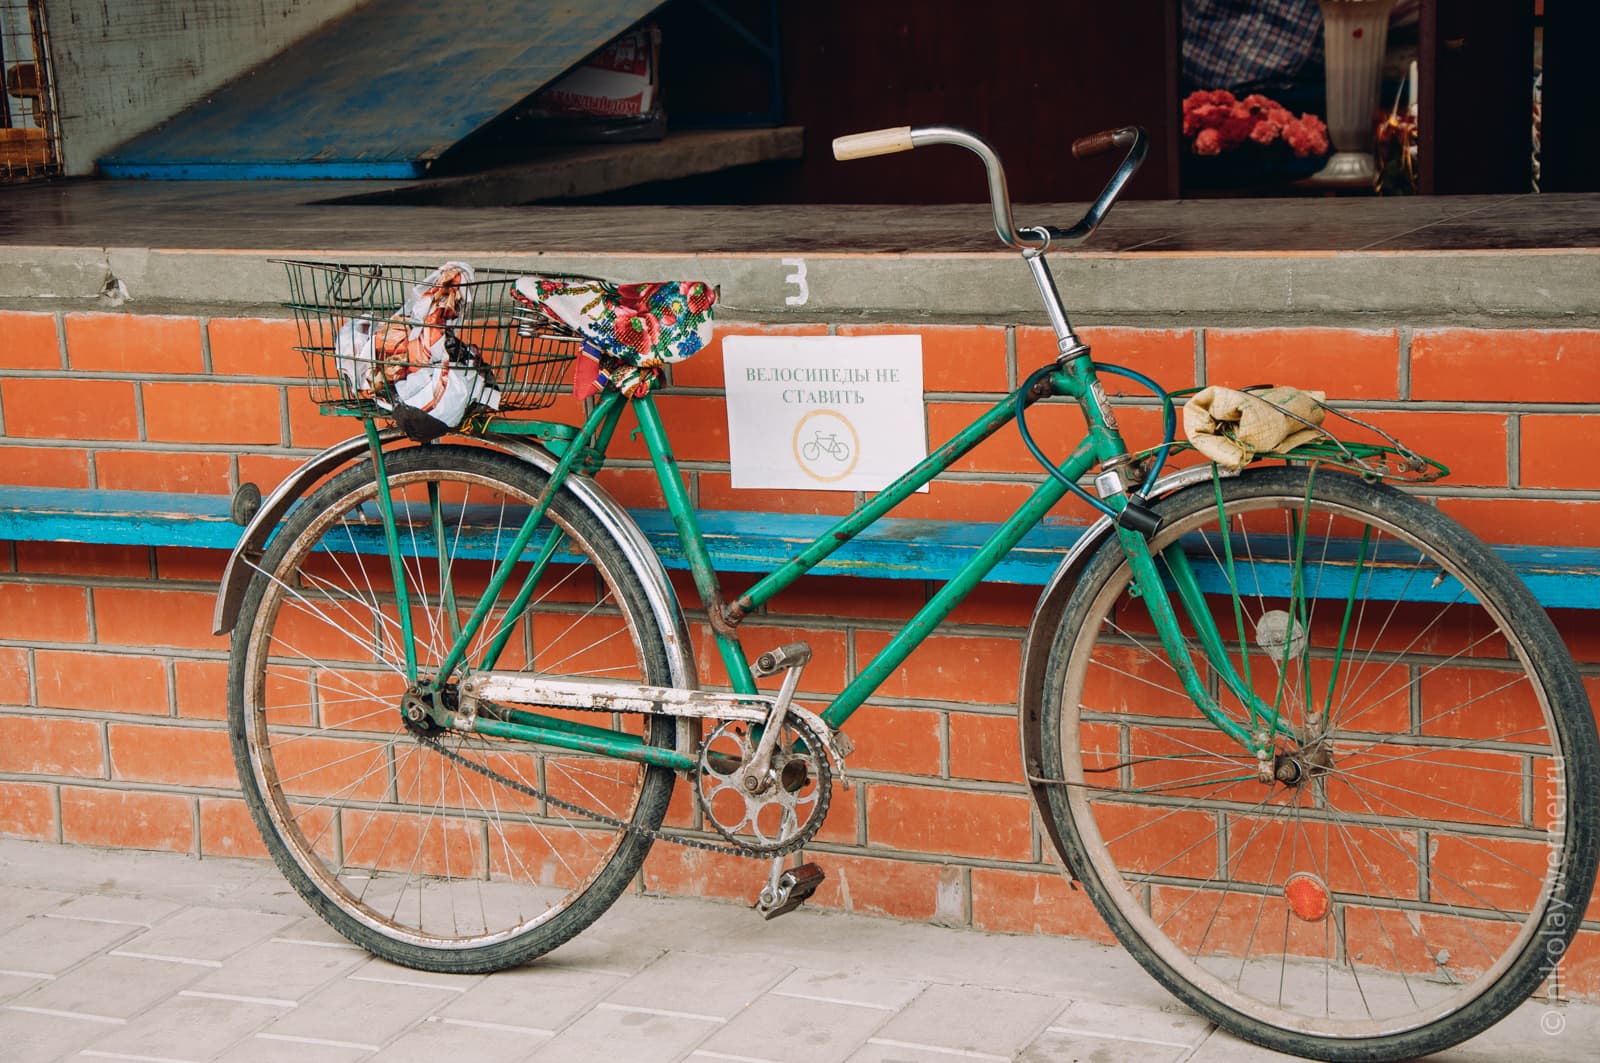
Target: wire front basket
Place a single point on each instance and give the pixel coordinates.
(358, 337)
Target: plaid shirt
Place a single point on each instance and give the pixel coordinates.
(1242, 44)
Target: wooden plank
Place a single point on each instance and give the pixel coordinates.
(379, 93)
(753, 542)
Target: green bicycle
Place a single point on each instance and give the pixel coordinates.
(1318, 758)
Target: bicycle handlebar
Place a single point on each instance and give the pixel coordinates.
(904, 138)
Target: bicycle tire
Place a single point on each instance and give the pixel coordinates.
(1450, 890)
(408, 854)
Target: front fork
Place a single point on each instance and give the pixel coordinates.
(1134, 525)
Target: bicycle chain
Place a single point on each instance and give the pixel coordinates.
(824, 797)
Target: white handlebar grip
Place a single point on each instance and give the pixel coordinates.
(876, 142)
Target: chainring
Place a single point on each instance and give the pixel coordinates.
(791, 800)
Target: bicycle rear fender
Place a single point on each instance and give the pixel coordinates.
(596, 499)
(1041, 632)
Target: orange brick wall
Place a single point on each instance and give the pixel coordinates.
(112, 688)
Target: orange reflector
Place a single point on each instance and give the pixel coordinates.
(1307, 896)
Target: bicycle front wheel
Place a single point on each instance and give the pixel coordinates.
(441, 861)
(1422, 849)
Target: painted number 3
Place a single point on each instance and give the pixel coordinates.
(798, 279)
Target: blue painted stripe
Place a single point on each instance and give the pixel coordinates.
(261, 171)
(739, 541)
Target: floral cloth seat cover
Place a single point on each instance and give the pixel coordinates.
(629, 331)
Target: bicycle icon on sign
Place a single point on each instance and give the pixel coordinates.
(829, 444)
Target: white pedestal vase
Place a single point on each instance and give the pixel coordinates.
(1356, 33)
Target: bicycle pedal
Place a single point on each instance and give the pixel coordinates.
(794, 887)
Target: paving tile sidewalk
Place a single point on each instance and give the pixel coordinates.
(158, 957)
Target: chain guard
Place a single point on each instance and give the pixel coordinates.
(814, 823)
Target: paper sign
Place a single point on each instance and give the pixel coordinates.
(828, 413)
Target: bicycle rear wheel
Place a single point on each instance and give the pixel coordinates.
(1425, 848)
(410, 853)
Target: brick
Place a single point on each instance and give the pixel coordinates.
(202, 689)
(42, 612)
(825, 673)
(985, 747)
(961, 823)
(1479, 872)
(704, 369)
(966, 500)
(639, 489)
(84, 559)
(1001, 604)
(14, 676)
(70, 409)
(127, 818)
(134, 343)
(181, 756)
(148, 470)
(49, 745)
(717, 492)
(266, 471)
(679, 871)
(1472, 445)
(1473, 785)
(897, 888)
(696, 424)
(1548, 443)
(136, 617)
(1155, 840)
(256, 347)
(1232, 924)
(45, 466)
(1345, 363)
(31, 341)
(1055, 427)
(954, 357)
(212, 413)
(857, 599)
(844, 815)
(1528, 521)
(101, 682)
(180, 563)
(308, 427)
(27, 811)
(1506, 365)
(958, 668)
(1167, 355)
(900, 740)
(1033, 902)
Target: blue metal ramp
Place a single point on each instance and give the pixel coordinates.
(380, 93)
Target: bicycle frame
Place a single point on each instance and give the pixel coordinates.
(1074, 377)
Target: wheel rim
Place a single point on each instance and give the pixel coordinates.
(1430, 893)
(412, 845)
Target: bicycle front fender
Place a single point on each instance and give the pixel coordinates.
(642, 558)
(1047, 616)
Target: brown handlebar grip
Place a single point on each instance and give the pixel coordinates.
(1094, 144)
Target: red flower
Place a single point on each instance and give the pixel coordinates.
(699, 294)
(638, 329)
(637, 296)
(1265, 132)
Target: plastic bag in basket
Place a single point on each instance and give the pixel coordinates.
(414, 365)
